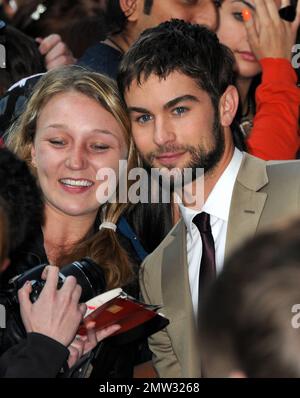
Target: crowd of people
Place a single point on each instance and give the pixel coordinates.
(164, 85)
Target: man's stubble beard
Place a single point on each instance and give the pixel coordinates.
(200, 158)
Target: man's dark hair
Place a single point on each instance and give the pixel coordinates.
(114, 17)
(179, 46)
(23, 201)
(246, 320)
(148, 7)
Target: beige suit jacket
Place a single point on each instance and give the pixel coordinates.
(264, 193)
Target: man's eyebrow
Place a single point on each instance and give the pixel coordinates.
(246, 3)
(168, 105)
(182, 98)
(137, 109)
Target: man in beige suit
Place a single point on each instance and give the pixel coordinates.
(177, 81)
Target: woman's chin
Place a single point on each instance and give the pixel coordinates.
(248, 70)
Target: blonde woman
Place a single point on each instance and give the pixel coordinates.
(52, 321)
(74, 125)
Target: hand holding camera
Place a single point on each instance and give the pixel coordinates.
(56, 313)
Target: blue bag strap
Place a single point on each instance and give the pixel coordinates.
(127, 231)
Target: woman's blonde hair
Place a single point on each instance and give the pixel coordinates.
(103, 247)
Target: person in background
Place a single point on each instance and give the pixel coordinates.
(126, 20)
(259, 337)
(84, 33)
(22, 58)
(269, 103)
(40, 19)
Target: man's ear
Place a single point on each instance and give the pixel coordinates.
(228, 106)
(130, 9)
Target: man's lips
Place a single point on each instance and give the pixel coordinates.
(247, 56)
(169, 157)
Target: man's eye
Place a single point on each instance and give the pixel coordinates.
(143, 119)
(238, 16)
(180, 110)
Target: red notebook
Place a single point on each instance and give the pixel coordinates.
(137, 320)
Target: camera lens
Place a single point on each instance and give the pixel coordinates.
(89, 276)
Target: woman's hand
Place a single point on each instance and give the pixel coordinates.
(270, 36)
(56, 313)
(81, 345)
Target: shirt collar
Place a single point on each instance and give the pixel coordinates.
(219, 200)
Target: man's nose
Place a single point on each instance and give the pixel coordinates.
(207, 14)
(163, 132)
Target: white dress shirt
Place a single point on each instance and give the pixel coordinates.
(217, 206)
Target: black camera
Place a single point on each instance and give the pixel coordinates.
(87, 273)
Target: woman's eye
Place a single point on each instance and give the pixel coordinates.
(57, 142)
(190, 2)
(143, 119)
(180, 110)
(238, 16)
(100, 147)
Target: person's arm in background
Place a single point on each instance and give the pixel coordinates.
(37, 356)
(56, 53)
(275, 132)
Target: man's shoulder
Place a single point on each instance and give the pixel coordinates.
(255, 172)
(283, 181)
(285, 167)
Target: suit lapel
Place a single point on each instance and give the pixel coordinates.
(247, 203)
(177, 298)
(174, 271)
